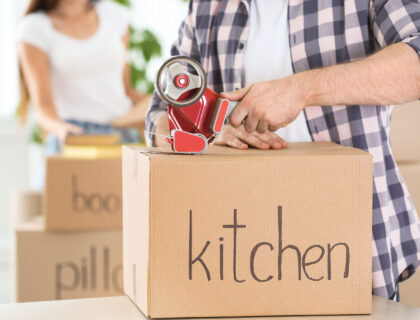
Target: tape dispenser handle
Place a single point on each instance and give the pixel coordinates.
(232, 105)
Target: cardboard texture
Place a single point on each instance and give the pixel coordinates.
(26, 204)
(405, 139)
(248, 233)
(93, 139)
(121, 308)
(410, 289)
(66, 265)
(83, 194)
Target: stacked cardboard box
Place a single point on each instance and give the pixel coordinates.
(83, 185)
(66, 265)
(248, 233)
(83, 193)
(74, 250)
(405, 139)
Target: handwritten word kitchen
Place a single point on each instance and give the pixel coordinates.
(305, 256)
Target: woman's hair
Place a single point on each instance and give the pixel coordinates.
(33, 6)
(41, 5)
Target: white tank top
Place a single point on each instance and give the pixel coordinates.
(267, 55)
(86, 75)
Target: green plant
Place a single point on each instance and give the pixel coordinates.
(35, 134)
(144, 46)
(125, 3)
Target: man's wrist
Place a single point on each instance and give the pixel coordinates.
(310, 85)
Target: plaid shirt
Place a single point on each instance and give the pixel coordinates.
(324, 33)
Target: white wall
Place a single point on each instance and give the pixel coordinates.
(163, 17)
(13, 175)
(10, 12)
(13, 155)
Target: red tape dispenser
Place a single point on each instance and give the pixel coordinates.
(196, 113)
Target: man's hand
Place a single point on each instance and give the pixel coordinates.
(390, 76)
(267, 105)
(239, 138)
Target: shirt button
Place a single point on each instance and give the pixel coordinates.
(241, 45)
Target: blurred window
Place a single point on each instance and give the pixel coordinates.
(10, 12)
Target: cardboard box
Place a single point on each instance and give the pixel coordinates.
(66, 265)
(92, 152)
(25, 205)
(248, 233)
(121, 308)
(405, 136)
(93, 139)
(82, 194)
(410, 289)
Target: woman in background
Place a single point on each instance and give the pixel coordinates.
(73, 58)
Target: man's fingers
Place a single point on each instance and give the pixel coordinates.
(250, 124)
(240, 112)
(234, 142)
(235, 95)
(273, 140)
(277, 139)
(238, 115)
(262, 126)
(241, 139)
(228, 137)
(253, 140)
(274, 128)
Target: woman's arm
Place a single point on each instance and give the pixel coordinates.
(34, 64)
(132, 93)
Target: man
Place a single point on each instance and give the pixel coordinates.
(316, 71)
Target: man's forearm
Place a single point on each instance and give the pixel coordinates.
(391, 76)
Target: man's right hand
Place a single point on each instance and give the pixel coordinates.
(239, 138)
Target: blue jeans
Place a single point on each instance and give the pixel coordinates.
(52, 145)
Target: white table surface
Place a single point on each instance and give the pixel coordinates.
(121, 308)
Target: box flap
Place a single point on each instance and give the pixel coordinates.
(294, 149)
(136, 177)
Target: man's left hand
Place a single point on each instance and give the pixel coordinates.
(267, 105)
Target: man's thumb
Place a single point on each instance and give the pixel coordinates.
(235, 95)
